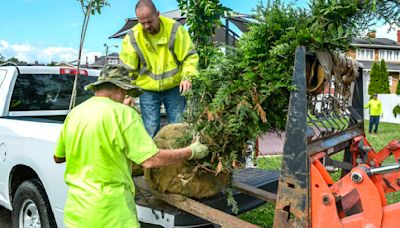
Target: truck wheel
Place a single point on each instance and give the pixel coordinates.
(31, 208)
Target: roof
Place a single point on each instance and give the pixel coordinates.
(236, 19)
(101, 60)
(391, 67)
(375, 43)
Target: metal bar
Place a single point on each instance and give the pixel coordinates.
(256, 192)
(227, 30)
(196, 208)
(330, 142)
(383, 169)
(292, 204)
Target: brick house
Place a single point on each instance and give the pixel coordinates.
(372, 49)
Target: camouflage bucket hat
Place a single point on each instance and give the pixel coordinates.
(118, 76)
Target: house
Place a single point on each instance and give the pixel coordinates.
(371, 49)
(112, 59)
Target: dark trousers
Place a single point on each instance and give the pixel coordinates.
(373, 120)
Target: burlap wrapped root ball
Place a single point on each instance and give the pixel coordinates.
(182, 178)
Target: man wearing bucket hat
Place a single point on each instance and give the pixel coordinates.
(99, 141)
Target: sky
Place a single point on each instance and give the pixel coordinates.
(49, 30)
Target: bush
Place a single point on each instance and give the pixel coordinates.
(374, 82)
(384, 75)
(379, 83)
(398, 88)
(396, 110)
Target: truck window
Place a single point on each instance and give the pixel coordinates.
(47, 91)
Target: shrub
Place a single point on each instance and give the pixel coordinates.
(384, 75)
(374, 82)
(396, 110)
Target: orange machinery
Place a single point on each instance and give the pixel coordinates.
(321, 124)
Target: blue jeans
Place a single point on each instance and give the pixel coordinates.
(150, 105)
(373, 121)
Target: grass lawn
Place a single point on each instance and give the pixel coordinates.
(264, 215)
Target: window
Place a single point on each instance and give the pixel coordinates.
(365, 54)
(34, 92)
(389, 55)
(113, 61)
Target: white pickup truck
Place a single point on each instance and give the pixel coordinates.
(34, 102)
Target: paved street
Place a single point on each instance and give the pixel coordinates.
(5, 218)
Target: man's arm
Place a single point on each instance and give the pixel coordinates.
(129, 57)
(367, 105)
(167, 157)
(163, 158)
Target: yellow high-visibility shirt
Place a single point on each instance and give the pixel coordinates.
(159, 62)
(99, 139)
(375, 107)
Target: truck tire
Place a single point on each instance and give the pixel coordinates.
(31, 208)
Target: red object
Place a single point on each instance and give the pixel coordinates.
(357, 199)
(71, 71)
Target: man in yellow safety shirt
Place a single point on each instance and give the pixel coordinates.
(162, 57)
(99, 141)
(375, 111)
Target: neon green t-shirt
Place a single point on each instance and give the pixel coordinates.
(375, 107)
(99, 140)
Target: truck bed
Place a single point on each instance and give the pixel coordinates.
(165, 215)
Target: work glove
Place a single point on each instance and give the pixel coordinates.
(199, 150)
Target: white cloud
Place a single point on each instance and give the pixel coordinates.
(383, 32)
(30, 53)
(3, 45)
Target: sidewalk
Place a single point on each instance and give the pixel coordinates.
(271, 144)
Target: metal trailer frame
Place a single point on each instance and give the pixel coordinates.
(293, 205)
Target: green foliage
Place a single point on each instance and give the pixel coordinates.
(398, 88)
(2, 59)
(379, 83)
(52, 63)
(203, 17)
(246, 91)
(94, 6)
(396, 110)
(16, 61)
(374, 81)
(384, 78)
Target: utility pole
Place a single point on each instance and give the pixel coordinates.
(107, 47)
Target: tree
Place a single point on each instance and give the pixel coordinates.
(373, 87)
(89, 7)
(384, 78)
(52, 63)
(2, 59)
(203, 17)
(16, 61)
(398, 88)
(246, 92)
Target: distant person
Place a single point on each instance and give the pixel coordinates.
(375, 111)
(99, 141)
(163, 59)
